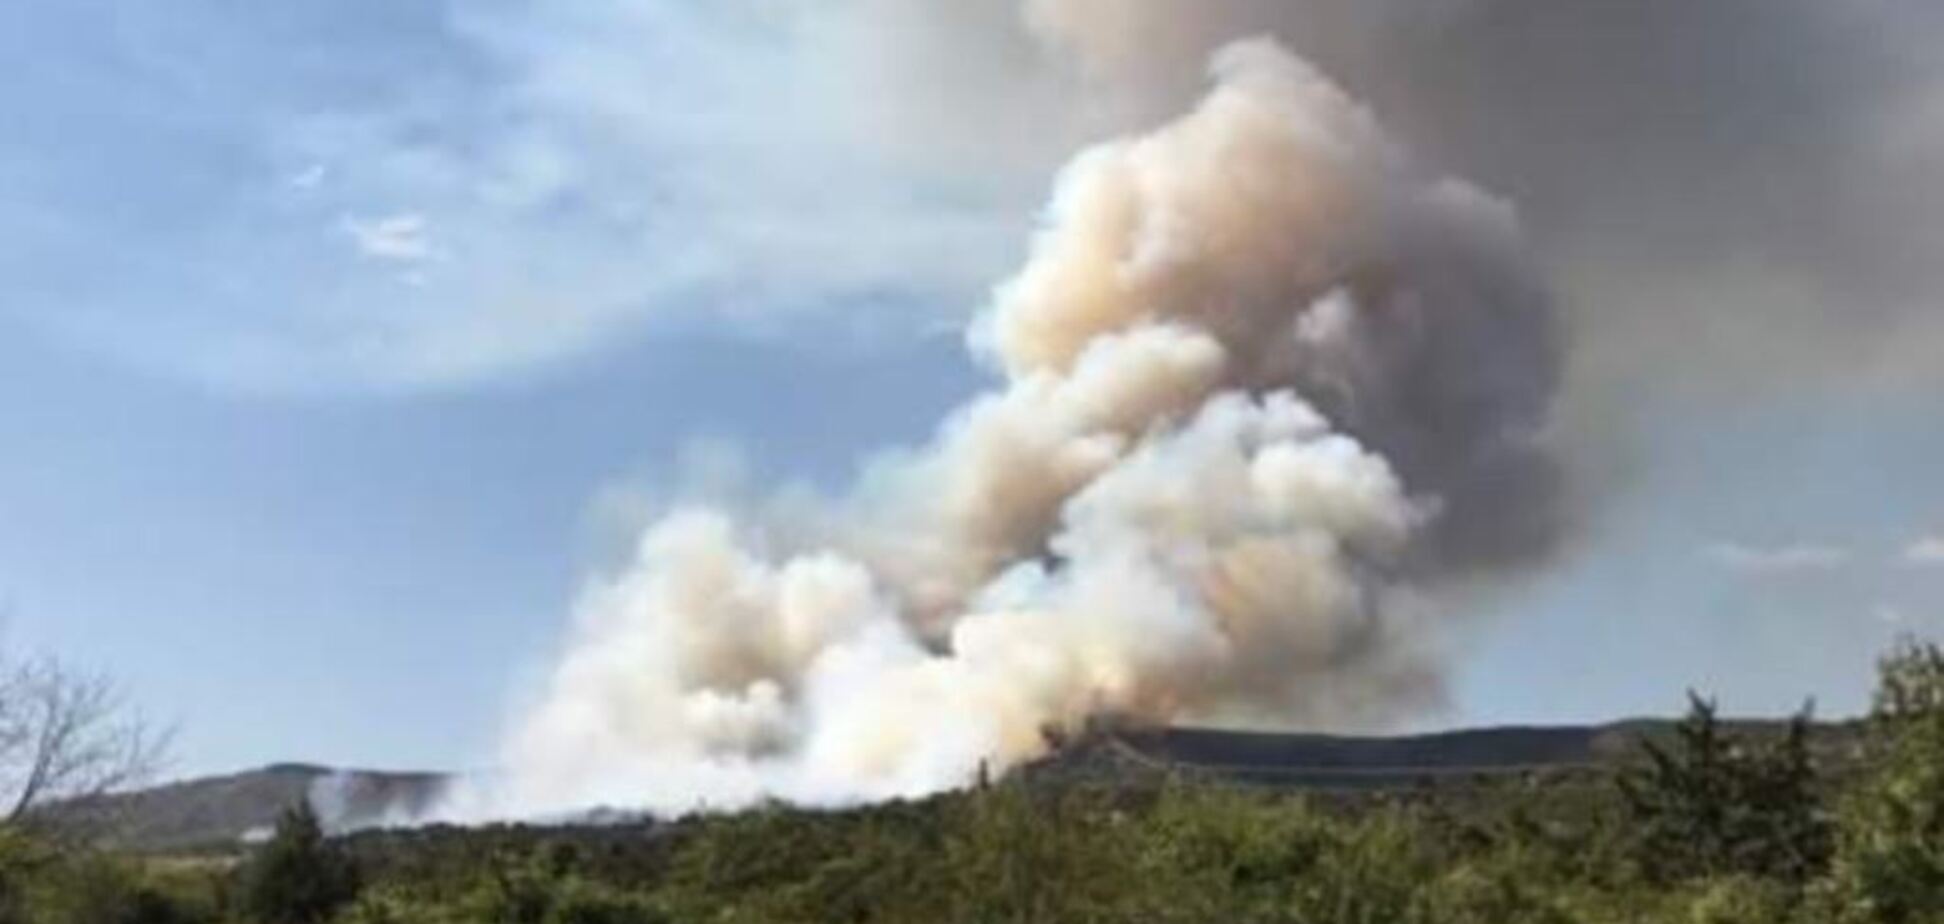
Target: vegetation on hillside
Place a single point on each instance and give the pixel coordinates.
(1708, 827)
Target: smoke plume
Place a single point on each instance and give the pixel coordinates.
(1260, 376)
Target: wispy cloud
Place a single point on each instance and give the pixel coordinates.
(309, 178)
(601, 166)
(1800, 558)
(1927, 552)
(550, 161)
(400, 238)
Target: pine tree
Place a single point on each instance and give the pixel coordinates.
(1713, 804)
(299, 877)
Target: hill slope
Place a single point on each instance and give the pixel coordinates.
(223, 811)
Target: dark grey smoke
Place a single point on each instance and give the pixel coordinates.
(1460, 362)
(1680, 148)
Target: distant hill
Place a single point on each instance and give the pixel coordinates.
(1333, 762)
(1352, 763)
(221, 812)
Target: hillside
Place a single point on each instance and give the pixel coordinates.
(1354, 763)
(224, 811)
(227, 810)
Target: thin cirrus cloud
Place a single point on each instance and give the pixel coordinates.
(592, 167)
(1812, 558)
(1783, 560)
(1927, 552)
(400, 238)
(550, 179)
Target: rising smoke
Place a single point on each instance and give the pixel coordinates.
(1260, 377)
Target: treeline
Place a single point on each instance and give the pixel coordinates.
(1707, 826)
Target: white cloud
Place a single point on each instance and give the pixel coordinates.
(309, 178)
(400, 238)
(535, 182)
(1927, 552)
(602, 199)
(1802, 558)
(601, 166)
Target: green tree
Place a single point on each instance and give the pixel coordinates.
(300, 876)
(1890, 865)
(1715, 804)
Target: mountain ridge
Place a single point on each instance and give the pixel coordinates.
(224, 811)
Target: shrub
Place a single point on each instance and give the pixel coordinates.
(1511, 885)
(83, 888)
(1890, 866)
(1741, 900)
(580, 902)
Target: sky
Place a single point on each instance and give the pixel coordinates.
(340, 344)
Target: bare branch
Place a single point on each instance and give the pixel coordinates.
(67, 738)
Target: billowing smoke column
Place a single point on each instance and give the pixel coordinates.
(1260, 375)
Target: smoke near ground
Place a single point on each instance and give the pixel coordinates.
(1260, 376)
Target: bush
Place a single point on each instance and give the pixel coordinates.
(1709, 828)
(1509, 886)
(83, 888)
(1742, 900)
(1213, 853)
(579, 902)
(23, 860)
(1890, 866)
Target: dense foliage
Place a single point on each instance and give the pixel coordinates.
(1708, 827)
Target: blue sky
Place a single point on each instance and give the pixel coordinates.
(329, 334)
(363, 579)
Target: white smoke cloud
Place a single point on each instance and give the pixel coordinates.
(1252, 374)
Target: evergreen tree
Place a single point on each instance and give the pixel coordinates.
(299, 877)
(1714, 804)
